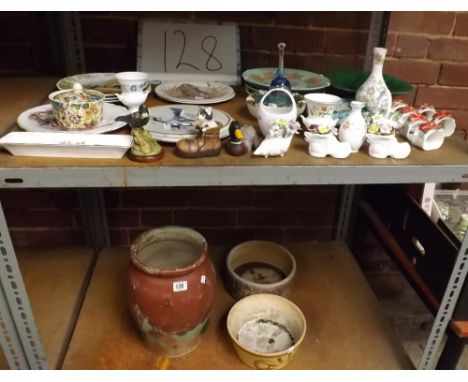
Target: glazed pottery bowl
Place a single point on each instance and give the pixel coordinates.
(259, 267)
(254, 98)
(322, 104)
(77, 109)
(266, 330)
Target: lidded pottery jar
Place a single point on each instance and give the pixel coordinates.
(374, 91)
(170, 288)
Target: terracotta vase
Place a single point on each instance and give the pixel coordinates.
(170, 288)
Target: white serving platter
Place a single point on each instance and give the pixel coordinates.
(66, 145)
(46, 122)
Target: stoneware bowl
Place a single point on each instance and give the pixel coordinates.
(266, 330)
(259, 267)
(321, 104)
(254, 98)
(77, 109)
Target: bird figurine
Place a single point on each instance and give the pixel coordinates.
(235, 145)
(138, 119)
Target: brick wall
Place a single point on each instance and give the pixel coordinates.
(228, 215)
(430, 50)
(425, 48)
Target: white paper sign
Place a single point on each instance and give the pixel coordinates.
(177, 51)
(179, 286)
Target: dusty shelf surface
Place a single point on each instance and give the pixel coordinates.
(346, 329)
(55, 281)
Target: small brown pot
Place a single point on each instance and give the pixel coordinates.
(170, 288)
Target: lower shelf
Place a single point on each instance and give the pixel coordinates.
(346, 329)
(55, 282)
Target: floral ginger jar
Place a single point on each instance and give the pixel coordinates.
(170, 288)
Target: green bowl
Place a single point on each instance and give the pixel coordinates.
(350, 81)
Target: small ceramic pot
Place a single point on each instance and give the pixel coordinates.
(254, 98)
(322, 104)
(259, 267)
(266, 330)
(383, 146)
(321, 145)
(77, 109)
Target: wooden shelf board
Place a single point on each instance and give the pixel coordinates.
(54, 280)
(346, 329)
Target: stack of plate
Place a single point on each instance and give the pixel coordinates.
(301, 81)
(103, 82)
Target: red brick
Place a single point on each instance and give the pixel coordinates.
(206, 217)
(114, 59)
(346, 20)
(454, 74)
(408, 97)
(345, 42)
(117, 31)
(271, 234)
(159, 197)
(244, 37)
(254, 59)
(422, 22)
(156, 217)
(306, 234)
(17, 57)
(415, 72)
(411, 46)
(134, 233)
(461, 25)
(390, 43)
(39, 218)
(220, 197)
(26, 198)
(237, 17)
(123, 218)
(328, 63)
(316, 197)
(226, 237)
(295, 19)
(321, 216)
(266, 217)
(112, 197)
(448, 49)
(267, 38)
(119, 237)
(23, 26)
(443, 97)
(270, 198)
(47, 238)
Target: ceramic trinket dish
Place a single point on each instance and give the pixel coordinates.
(353, 129)
(322, 137)
(374, 91)
(260, 267)
(77, 109)
(266, 330)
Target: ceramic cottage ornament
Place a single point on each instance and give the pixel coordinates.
(322, 137)
(354, 128)
(374, 91)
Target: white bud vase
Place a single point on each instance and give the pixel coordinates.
(374, 91)
(354, 128)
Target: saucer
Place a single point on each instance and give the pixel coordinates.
(40, 119)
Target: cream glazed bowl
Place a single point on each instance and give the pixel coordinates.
(259, 267)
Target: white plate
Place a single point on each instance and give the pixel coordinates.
(110, 112)
(195, 92)
(66, 145)
(104, 82)
(166, 128)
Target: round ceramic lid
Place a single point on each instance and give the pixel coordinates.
(77, 96)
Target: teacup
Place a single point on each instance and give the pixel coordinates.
(135, 88)
(322, 104)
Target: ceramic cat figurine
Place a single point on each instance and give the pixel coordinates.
(205, 118)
